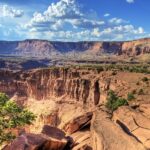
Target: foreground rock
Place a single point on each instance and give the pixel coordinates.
(78, 123)
(82, 140)
(51, 139)
(108, 136)
(134, 123)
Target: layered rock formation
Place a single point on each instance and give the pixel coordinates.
(69, 98)
(43, 48)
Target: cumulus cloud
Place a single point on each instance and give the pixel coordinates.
(61, 14)
(7, 11)
(65, 9)
(130, 1)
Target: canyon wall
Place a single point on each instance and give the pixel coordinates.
(45, 83)
(43, 48)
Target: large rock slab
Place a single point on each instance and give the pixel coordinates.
(134, 123)
(108, 136)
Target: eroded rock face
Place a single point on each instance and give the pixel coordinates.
(42, 84)
(133, 48)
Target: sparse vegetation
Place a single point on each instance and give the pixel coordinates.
(114, 73)
(130, 96)
(134, 91)
(100, 69)
(117, 67)
(11, 117)
(113, 101)
(141, 92)
(144, 79)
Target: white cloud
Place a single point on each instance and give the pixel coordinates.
(106, 15)
(117, 21)
(120, 32)
(85, 23)
(140, 30)
(96, 32)
(130, 1)
(7, 11)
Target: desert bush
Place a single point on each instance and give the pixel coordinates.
(144, 79)
(113, 101)
(141, 92)
(100, 69)
(134, 91)
(130, 96)
(114, 73)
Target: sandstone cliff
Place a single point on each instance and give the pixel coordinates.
(43, 48)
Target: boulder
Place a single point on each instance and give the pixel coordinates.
(53, 132)
(27, 142)
(78, 123)
(50, 139)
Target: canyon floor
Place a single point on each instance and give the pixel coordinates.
(71, 107)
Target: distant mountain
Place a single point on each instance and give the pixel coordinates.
(43, 48)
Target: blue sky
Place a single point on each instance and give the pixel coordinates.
(74, 20)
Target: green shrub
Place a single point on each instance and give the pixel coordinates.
(114, 73)
(100, 69)
(113, 101)
(141, 92)
(134, 91)
(130, 96)
(11, 117)
(144, 79)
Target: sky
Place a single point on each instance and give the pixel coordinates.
(74, 20)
